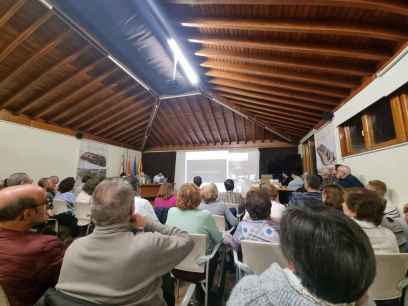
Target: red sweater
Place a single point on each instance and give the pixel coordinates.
(29, 265)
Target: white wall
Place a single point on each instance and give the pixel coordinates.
(43, 153)
(390, 164)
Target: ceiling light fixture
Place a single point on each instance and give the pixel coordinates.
(185, 65)
(45, 2)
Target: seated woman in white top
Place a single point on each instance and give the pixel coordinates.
(87, 190)
(209, 195)
(367, 209)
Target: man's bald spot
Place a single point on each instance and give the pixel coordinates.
(9, 195)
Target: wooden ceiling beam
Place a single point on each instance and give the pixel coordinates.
(210, 105)
(21, 91)
(167, 134)
(225, 124)
(261, 71)
(24, 35)
(186, 121)
(284, 119)
(253, 92)
(269, 105)
(68, 112)
(149, 126)
(161, 136)
(11, 11)
(395, 7)
(245, 131)
(234, 124)
(131, 128)
(154, 138)
(285, 62)
(318, 90)
(292, 26)
(64, 102)
(200, 128)
(317, 50)
(172, 128)
(181, 123)
(206, 120)
(253, 132)
(108, 110)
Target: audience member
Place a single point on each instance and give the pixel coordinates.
(19, 178)
(338, 273)
(87, 190)
(367, 209)
(114, 266)
(2, 184)
(209, 195)
(29, 262)
(80, 186)
(165, 197)
(187, 217)
(197, 180)
(332, 196)
(296, 182)
(230, 196)
(259, 226)
(277, 208)
(54, 182)
(312, 186)
(405, 211)
(327, 174)
(141, 206)
(392, 217)
(45, 184)
(345, 179)
(66, 193)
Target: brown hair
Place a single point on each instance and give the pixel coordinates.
(165, 191)
(188, 197)
(258, 204)
(367, 206)
(333, 196)
(209, 193)
(271, 190)
(379, 187)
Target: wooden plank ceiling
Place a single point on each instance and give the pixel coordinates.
(289, 61)
(284, 63)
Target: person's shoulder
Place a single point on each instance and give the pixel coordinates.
(248, 292)
(48, 242)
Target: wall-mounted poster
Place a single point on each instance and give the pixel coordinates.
(325, 146)
(92, 159)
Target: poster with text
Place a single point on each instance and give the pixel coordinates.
(92, 159)
(325, 146)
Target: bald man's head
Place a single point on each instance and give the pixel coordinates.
(15, 200)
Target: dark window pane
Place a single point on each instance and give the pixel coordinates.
(356, 133)
(382, 121)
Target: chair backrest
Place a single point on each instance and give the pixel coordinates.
(200, 249)
(83, 213)
(220, 222)
(3, 298)
(391, 269)
(231, 205)
(59, 207)
(260, 255)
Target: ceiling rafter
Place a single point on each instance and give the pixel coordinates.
(321, 28)
(210, 105)
(225, 124)
(387, 6)
(130, 129)
(245, 131)
(335, 68)
(316, 50)
(187, 122)
(200, 128)
(24, 35)
(253, 132)
(10, 100)
(162, 137)
(167, 133)
(84, 87)
(150, 124)
(234, 125)
(274, 106)
(270, 73)
(171, 127)
(259, 93)
(322, 91)
(11, 12)
(287, 120)
(180, 123)
(206, 120)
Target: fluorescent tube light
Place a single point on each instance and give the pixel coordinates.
(119, 64)
(179, 56)
(45, 3)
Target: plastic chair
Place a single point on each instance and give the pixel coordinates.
(3, 298)
(391, 279)
(59, 207)
(197, 262)
(83, 213)
(220, 222)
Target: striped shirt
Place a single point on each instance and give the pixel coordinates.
(393, 221)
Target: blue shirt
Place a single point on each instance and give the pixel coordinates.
(69, 197)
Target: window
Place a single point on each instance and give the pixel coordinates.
(382, 124)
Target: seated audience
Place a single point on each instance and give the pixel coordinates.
(54, 182)
(19, 178)
(197, 180)
(187, 217)
(332, 196)
(367, 209)
(405, 211)
(337, 274)
(312, 186)
(141, 206)
(296, 182)
(66, 193)
(209, 195)
(88, 188)
(259, 226)
(165, 197)
(327, 175)
(45, 184)
(392, 217)
(345, 179)
(230, 196)
(29, 262)
(79, 188)
(113, 265)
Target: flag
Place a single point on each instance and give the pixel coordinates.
(134, 167)
(129, 168)
(140, 168)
